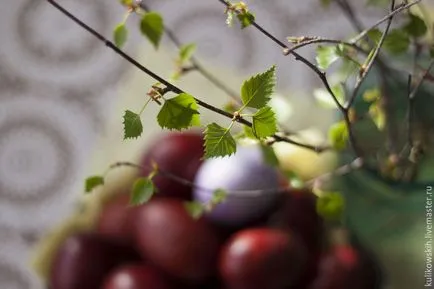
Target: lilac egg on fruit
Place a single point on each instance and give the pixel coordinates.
(243, 176)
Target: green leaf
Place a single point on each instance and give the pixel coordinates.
(326, 56)
(264, 122)
(248, 132)
(93, 182)
(372, 94)
(246, 19)
(179, 113)
(338, 135)
(325, 99)
(126, 2)
(330, 206)
(377, 115)
(325, 3)
(269, 155)
(132, 125)
(187, 51)
(143, 190)
(231, 107)
(195, 209)
(415, 27)
(152, 27)
(378, 3)
(375, 35)
(120, 35)
(218, 141)
(219, 196)
(256, 91)
(294, 180)
(431, 51)
(397, 41)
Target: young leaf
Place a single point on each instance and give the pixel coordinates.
(264, 122)
(195, 209)
(152, 27)
(325, 3)
(219, 196)
(377, 115)
(248, 132)
(246, 19)
(397, 42)
(330, 206)
(186, 52)
(324, 98)
(379, 3)
(338, 135)
(371, 95)
(143, 190)
(269, 155)
(120, 35)
(132, 125)
(256, 91)
(326, 56)
(294, 180)
(415, 27)
(218, 141)
(127, 3)
(92, 182)
(179, 113)
(374, 35)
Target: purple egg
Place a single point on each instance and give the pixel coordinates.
(242, 175)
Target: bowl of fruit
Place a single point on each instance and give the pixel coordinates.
(231, 223)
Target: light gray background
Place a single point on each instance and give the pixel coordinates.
(62, 94)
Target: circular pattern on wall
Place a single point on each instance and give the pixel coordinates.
(44, 145)
(205, 25)
(53, 49)
(34, 158)
(13, 278)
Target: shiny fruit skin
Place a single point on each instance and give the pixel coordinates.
(116, 220)
(179, 154)
(297, 213)
(85, 259)
(246, 171)
(137, 276)
(171, 239)
(261, 258)
(346, 267)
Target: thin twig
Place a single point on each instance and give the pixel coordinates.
(297, 56)
(314, 40)
(341, 171)
(384, 19)
(411, 98)
(370, 64)
(196, 63)
(168, 85)
(351, 15)
(182, 181)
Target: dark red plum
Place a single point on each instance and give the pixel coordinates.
(137, 276)
(171, 239)
(116, 220)
(177, 153)
(83, 261)
(346, 267)
(262, 258)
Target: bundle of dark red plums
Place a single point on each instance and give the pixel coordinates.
(158, 245)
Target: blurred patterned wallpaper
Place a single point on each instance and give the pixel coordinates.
(62, 94)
